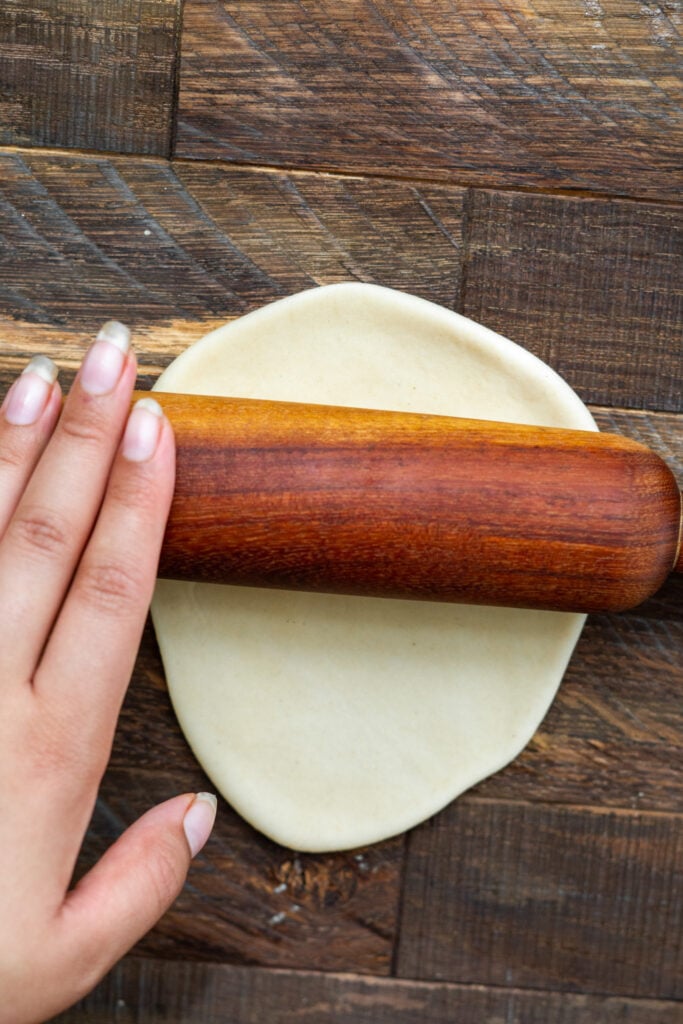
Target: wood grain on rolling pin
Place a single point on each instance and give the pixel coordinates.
(405, 505)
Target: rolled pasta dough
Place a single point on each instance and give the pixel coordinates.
(331, 722)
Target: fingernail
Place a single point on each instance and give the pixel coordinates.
(26, 399)
(198, 821)
(105, 359)
(116, 334)
(143, 430)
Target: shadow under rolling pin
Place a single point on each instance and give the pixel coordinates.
(357, 501)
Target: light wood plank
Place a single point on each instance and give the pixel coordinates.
(176, 250)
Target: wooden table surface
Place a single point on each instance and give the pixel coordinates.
(518, 162)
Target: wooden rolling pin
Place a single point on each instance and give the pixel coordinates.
(392, 504)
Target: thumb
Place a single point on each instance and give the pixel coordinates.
(135, 882)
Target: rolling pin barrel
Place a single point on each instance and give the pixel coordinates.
(403, 505)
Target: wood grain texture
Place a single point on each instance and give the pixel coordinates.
(594, 289)
(390, 504)
(581, 94)
(157, 992)
(91, 76)
(73, 252)
(249, 901)
(176, 250)
(569, 898)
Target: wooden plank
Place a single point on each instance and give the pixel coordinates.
(593, 288)
(150, 991)
(658, 431)
(250, 901)
(178, 249)
(175, 251)
(571, 898)
(90, 76)
(328, 229)
(573, 94)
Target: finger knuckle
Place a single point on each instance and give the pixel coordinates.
(40, 530)
(111, 586)
(84, 427)
(12, 456)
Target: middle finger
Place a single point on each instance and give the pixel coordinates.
(53, 520)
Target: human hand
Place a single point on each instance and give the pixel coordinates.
(84, 499)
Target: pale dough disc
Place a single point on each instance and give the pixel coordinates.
(331, 722)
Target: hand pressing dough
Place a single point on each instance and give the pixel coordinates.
(331, 722)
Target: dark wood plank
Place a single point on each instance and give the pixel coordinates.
(177, 249)
(565, 94)
(90, 76)
(571, 898)
(249, 901)
(154, 991)
(593, 288)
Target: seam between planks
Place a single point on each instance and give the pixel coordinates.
(466, 234)
(401, 885)
(175, 84)
(411, 178)
(337, 173)
(390, 982)
(605, 810)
